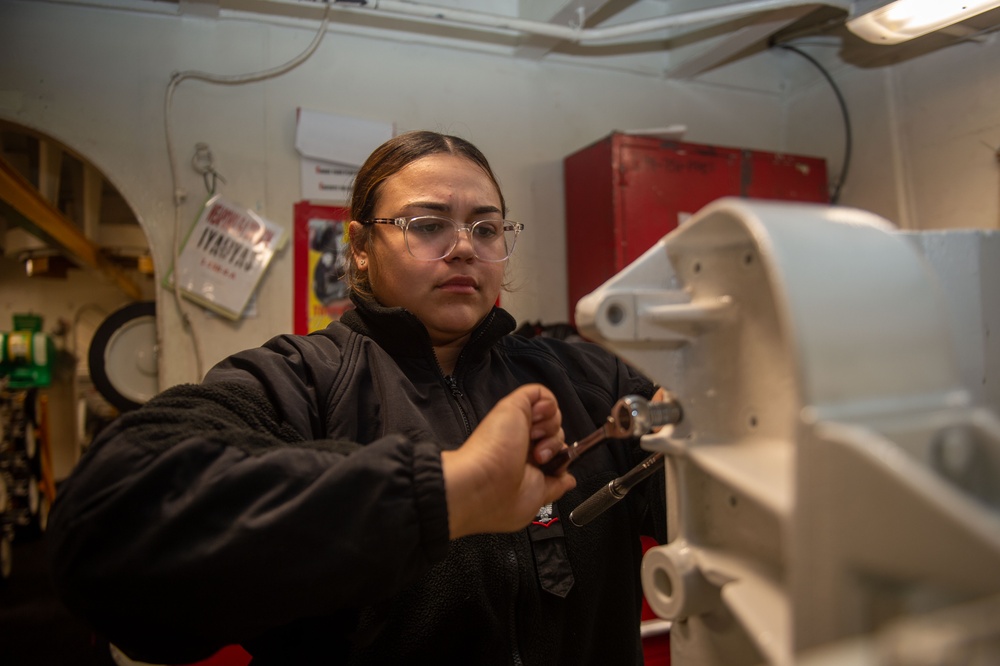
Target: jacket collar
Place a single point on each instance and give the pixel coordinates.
(400, 333)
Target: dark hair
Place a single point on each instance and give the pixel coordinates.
(386, 161)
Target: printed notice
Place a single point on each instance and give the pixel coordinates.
(224, 257)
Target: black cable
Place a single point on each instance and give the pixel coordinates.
(835, 196)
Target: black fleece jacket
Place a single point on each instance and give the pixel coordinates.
(293, 502)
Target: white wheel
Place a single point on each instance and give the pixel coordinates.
(123, 356)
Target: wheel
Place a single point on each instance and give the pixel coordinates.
(123, 356)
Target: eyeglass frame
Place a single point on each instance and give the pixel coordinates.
(404, 223)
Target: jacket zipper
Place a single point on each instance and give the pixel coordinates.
(453, 383)
(456, 393)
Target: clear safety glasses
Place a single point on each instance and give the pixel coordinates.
(429, 238)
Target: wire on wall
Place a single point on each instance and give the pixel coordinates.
(179, 195)
(848, 139)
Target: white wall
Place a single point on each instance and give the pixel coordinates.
(926, 132)
(95, 79)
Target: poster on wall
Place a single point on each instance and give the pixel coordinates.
(320, 262)
(224, 256)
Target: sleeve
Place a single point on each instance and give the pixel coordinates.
(203, 519)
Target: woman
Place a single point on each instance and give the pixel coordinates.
(370, 493)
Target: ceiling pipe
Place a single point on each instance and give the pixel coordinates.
(570, 33)
(578, 34)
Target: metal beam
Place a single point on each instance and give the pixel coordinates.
(46, 221)
(535, 47)
(743, 38)
(49, 170)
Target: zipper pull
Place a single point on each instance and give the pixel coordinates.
(453, 385)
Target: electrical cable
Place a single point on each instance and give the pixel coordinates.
(178, 194)
(848, 139)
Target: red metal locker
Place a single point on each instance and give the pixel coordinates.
(624, 192)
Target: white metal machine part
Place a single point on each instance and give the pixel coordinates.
(831, 483)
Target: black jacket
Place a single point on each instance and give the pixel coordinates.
(293, 502)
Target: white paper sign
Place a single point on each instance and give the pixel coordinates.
(333, 147)
(225, 256)
(326, 181)
(339, 139)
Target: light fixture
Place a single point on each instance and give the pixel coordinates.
(894, 21)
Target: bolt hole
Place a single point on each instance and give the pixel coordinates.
(616, 315)
(732, 500)
(662, 582)
(752, 421)
(747, 258)
(697, 267)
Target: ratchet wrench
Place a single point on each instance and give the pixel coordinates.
(610, 494)
(632, 416)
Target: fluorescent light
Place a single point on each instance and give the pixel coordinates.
(888, 22)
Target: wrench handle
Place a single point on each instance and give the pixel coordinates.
(609, 495)
(561, 460)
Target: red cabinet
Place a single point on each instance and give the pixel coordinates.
(624, 192)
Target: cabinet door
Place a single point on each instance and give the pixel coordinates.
(662, 183)
(625, 192)
(591, 231)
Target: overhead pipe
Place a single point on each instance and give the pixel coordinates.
(578, 33)
(569, 33)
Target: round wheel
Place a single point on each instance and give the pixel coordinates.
(123, 356)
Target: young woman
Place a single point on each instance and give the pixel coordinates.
(371, 493)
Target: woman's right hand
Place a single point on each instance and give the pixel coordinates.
(493, 482)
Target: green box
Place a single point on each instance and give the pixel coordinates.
(28, 322)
